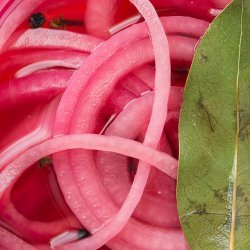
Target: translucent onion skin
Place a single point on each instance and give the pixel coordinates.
(94, 96)
(16, 243)
(164, 162)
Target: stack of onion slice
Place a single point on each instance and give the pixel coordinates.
(96, 111)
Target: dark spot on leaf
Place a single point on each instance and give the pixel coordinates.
(244, 130)
(204, 109)
(240, 192)
(238, 222)
(203, 58)
(225, 189)
(219, 194)
(191, 202)
(201, 209)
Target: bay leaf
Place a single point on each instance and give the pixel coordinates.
(214, 165)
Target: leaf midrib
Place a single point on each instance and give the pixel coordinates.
(235, 164)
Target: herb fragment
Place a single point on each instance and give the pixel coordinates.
(46, 161)
(62, 23)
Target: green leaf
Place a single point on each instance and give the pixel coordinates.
(214, 165)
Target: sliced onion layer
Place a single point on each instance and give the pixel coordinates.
(101, 94)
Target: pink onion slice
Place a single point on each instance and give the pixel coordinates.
(4, 5)
(12, 242)
(146, 74)
(35, 230)
(177, 25)
(42, 131)
(114, 144)
(221, 3)
(195, 8)
(40, 87)
(49, 38)
(124, 24)
(14, 60)
(71, 63)
(100, 16)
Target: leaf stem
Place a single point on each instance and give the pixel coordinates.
(235, 165)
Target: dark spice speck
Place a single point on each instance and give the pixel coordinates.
(83, 233)
(36, 20)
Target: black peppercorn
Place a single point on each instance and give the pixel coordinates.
(36, 20)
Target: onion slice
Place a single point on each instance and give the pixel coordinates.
(163, 161)
(49, 38)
